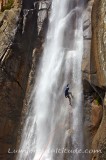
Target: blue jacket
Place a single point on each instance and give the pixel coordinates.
(66, 91)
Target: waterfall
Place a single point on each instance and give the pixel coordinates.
(51, 122)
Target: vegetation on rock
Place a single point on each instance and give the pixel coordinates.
(8, 5)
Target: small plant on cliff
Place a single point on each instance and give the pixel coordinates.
(98, 101)
(8, 5)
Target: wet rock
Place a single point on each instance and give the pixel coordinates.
(15, 63)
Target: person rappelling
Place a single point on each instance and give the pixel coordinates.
(67, 94)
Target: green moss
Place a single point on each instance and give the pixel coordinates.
(98, 100)
(8, 5)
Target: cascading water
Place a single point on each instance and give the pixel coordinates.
(51, 119)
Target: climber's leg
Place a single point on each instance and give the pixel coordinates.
(69, 100)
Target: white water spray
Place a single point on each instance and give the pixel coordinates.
(50, 116)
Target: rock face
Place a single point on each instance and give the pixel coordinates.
(99, 59)
(94, 78)
(94, 59)
(99, 140)
(89, 68)
(18, 33)
(99, 41)
(8, 28)
(96, 116)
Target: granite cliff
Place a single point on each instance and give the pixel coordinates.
(94, 77)
(18, 33)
